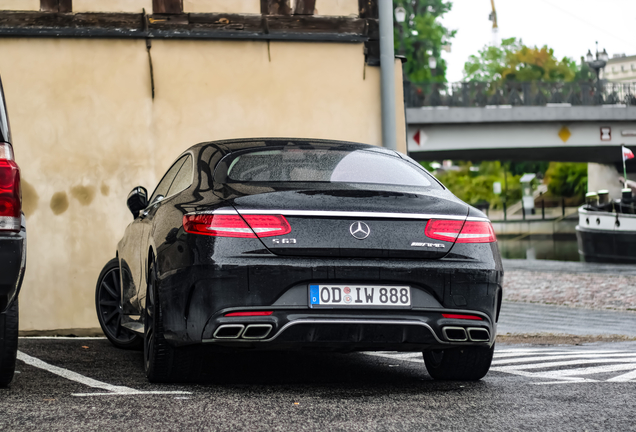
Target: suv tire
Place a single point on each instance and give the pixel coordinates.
(8, 343)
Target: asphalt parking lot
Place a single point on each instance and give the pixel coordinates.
(86, 384)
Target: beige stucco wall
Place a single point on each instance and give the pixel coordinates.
(133, 6)
(222, 6)
(337, 7)
(20, 5)
(86, 131)
(323, 7)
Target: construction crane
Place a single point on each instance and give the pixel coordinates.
(495, 29)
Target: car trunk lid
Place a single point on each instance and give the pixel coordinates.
(355, 223)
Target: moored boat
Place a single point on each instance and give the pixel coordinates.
(607, 228)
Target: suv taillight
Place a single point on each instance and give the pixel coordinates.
(460, 231)
(10, 198)
(236, 226)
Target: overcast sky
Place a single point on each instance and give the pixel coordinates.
(570, 27)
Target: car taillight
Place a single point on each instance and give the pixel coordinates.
(459, 231)
(248, 314)
(10, 198)
(461, 316)
(236, 226)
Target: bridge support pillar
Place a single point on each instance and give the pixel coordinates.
(602, 176)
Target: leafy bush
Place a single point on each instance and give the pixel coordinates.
(567, 179)
(476, 186)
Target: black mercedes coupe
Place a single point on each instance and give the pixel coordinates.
(285, 244)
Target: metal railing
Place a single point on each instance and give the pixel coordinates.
(482, 94)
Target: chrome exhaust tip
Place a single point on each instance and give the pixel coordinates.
(455, 334)
(229, 331)
(476, 334)
(257, 331)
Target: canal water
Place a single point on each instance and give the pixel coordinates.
(561, 248)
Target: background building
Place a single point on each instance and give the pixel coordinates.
(620, 68)
(104, 94)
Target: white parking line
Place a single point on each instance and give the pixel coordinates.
(572, 355)
(510, 354)
(630, 360)
(567, 365)
(111, 390)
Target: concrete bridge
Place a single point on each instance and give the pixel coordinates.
(575, 122)
(548, 133)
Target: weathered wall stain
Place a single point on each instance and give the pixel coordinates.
(104, 189)
(30, 198)
(208, 91)
(83, 194)
(59, 202)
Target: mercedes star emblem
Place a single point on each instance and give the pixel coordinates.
(360, 230)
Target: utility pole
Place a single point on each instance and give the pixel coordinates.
(387, 70)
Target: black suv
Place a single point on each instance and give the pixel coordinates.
(12, 248)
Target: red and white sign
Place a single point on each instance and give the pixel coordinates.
(419, 137)
(606, 134)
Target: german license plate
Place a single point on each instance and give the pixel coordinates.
(352, 296)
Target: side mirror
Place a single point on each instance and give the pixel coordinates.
(137, 200)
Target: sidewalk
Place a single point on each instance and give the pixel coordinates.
(530, 318)
(580, 285)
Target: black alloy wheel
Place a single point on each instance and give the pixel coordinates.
(109, 308)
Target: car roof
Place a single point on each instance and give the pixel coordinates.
(232, 145)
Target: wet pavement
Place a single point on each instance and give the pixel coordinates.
(86, 384)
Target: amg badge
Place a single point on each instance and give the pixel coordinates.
(433, 245)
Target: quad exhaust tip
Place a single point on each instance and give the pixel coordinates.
(229, 331)
(257, 331)
(460, 334)
(455, 334)
(476, 334)
(236, 331)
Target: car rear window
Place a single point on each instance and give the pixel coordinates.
(325, 166)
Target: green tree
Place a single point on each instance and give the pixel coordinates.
(422, 36)
(474, 185)
(520, 168)
(567, 179)
(515, 61)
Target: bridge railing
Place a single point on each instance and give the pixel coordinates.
(482, 94)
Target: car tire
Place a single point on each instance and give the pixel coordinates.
(109, 308)
(8, 343)
(158, 354)
(469, 363)
(163, 362)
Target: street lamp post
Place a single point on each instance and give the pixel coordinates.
(400, 17)
(597, 64)
(432, 64)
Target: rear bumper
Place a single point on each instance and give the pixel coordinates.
(195, 300)
(12, 265)
(287, 330)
